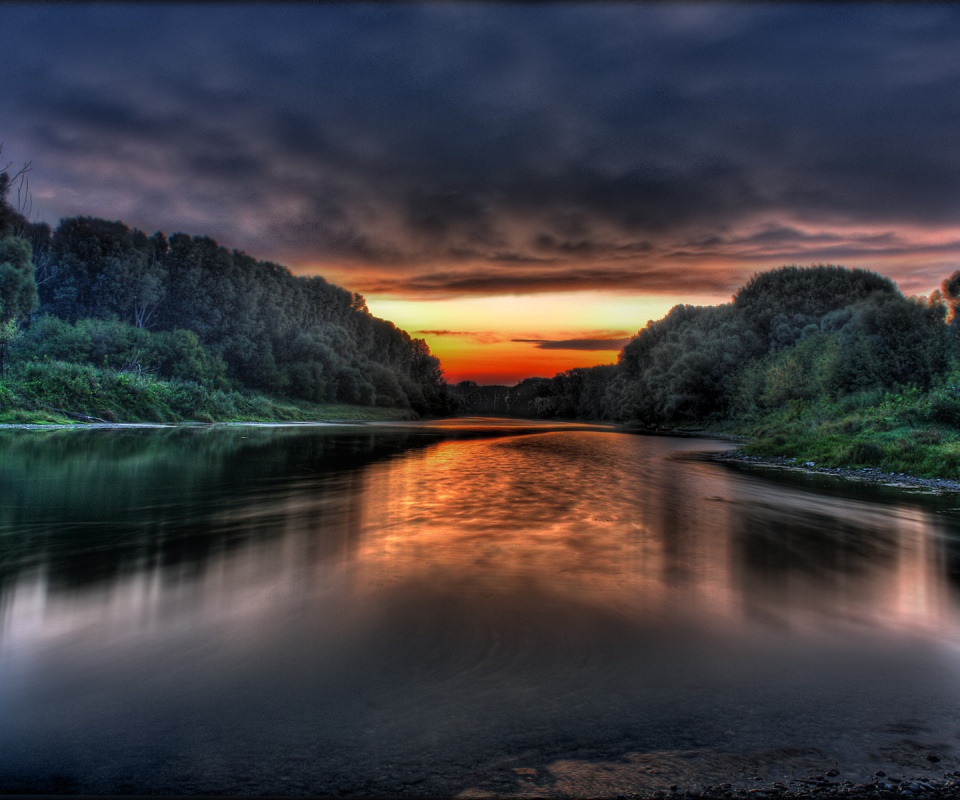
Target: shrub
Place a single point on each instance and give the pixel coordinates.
(112, 344)
(863, 453)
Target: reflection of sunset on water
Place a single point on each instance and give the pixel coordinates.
(509, 512)
(600, 516)
(329, 601)
(920, 599)
(530, 511)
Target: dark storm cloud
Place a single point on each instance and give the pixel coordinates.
(577, 344)
(777, 244)
(567, 279)
(481, 337)
(583, 146)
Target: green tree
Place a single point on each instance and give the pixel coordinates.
(778, 305)
(18, 290)
(950, 292)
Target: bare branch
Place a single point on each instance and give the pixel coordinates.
(24, 197)
(45, 268)
(21, 179)
(20, 173)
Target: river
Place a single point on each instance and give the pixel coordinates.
(459, 608)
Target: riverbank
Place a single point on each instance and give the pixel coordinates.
(945, 788)
(926, 788)
(909, 439)
(900, 480)
(313, 423)
(62, 394)
(705, 774)
(319, 415)
(902, 452)
(894, 434)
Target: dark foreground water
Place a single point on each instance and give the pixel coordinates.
(455, 609)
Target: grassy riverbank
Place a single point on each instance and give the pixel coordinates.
(57, 393)
(911, 431)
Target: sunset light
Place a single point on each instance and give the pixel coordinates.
(505, 400)
(575, 186)
(504, 339)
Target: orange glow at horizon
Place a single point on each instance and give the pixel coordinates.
(510, 362)
(474, 336)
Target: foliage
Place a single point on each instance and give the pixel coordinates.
(186, 308)
(790, 338)
(677, 369)
(18, 291)
(472, 399)
(778, 305)
(56, 391)
(531, 397)
(289, 336)
(890, 432)
(109, 343)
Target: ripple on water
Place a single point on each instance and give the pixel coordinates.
(332, 606)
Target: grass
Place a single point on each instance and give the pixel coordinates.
(912, 432)
(57, 393)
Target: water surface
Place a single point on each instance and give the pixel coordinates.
(474, 605)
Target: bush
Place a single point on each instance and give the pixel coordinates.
(862, 453)
(112, 344)
(945, 404)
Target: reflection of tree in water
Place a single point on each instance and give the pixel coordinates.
(692, 534)
(797, 564)
(952, 557)
(89, 506)
(773, 541)
(941, 511)
(678, 535)
(946, 526)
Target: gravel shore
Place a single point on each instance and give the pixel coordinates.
(875, 476)
(629, 780)
(826, 786)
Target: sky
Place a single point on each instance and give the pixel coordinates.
(522, 185)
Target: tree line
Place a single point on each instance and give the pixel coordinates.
(99, 292)
(794, 335)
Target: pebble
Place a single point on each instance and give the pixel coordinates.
(868, 474)
(882, 786)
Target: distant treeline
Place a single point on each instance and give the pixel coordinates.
(534, 397)
(184, 307)
(795, 335)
